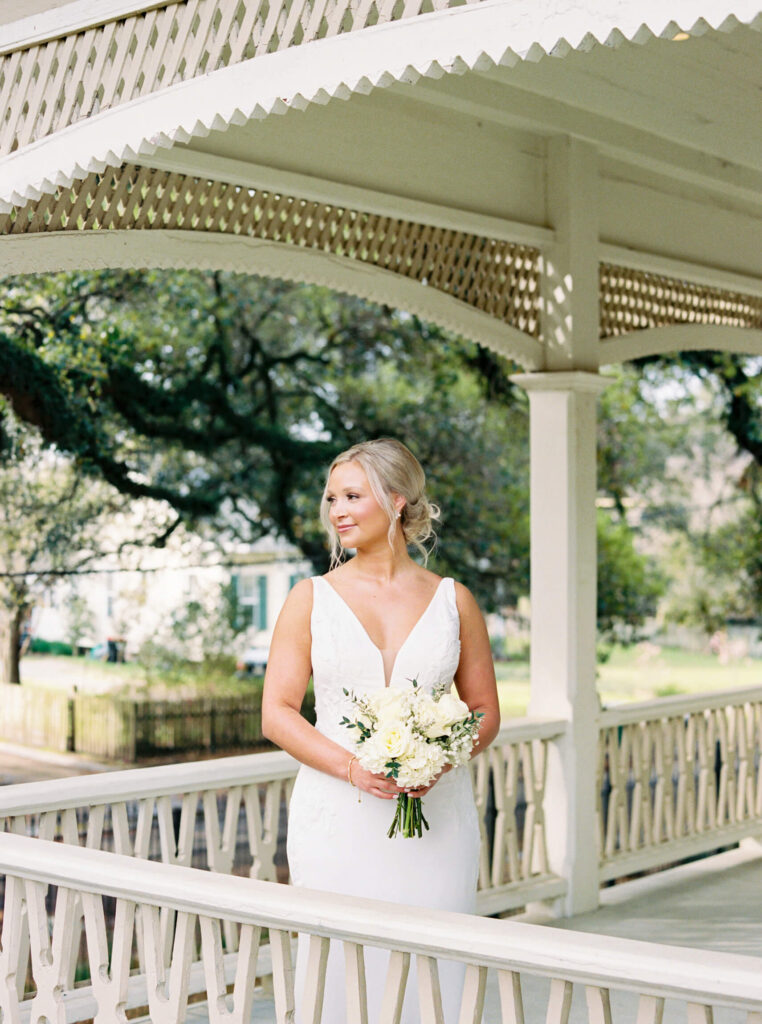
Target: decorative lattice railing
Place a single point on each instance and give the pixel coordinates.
(633, 300)
(498, 277)
(678, 776)
(173, 929)
(227, 815)
(56, 82)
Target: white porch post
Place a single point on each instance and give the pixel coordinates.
(563, 599)
(562, 403)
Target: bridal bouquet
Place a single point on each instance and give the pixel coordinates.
(410, 736)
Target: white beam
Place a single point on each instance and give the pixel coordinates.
(62, 250)
(681, 338)
(570, 273)
(306, 186)
(72, 17)
(682, 270)
(491, 98)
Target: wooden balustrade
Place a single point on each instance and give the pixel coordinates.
(64, 76)
(227, 815)
(179, 923)
(684, 777)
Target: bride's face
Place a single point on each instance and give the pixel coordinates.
(354, 512)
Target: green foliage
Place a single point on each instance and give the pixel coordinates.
(57, 647)
(227, 396)
(629, 585)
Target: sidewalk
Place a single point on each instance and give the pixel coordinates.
(26, 764)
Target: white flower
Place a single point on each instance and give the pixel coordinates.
(423, 767)
(451, 709)
(392, 740)
(390, 706)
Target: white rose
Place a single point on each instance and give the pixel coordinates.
(390, 706)
(450, 709)
(393, 740)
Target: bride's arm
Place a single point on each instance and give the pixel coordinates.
(475, 677)
(289, 666)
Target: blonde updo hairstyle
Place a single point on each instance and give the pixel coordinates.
(391, 468)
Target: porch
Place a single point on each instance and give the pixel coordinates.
(140, 891)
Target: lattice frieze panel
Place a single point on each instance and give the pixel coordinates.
(50, 85)
(499, 278)
(632, 300)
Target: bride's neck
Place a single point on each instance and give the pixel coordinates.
(382, 563)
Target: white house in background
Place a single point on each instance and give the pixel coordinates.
(138, 605)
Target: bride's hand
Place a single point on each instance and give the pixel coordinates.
(423, 790)
(374, 783)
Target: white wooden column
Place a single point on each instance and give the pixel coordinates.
(563, 601)
(562, 403)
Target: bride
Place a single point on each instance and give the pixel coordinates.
(377, 620)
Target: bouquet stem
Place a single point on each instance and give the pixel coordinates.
(408, 818)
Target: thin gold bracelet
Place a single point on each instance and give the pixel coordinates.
(349, 770)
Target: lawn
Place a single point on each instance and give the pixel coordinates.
(641, 673)
(630, 674)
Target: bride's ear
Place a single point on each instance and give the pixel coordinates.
(399, 505)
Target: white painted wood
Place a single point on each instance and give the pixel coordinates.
(474, 987)
(570, 279)
(357, 995)
(681, 337)
(429, 995)
(429, 45)
(698, 1014)
(277, 179)
(394, 988)
(511, 1001)
(656, 742)
(495, 99)
(650, 1010)
(283, 976)
(183, 249)
(598, 1005)
(72, 17)
(700, 273)
(559, 1002)
(563, 587)
(693, 976)
(314, 984)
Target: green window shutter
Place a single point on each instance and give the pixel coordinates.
(262, 602)
(293, 579)
(238, 622)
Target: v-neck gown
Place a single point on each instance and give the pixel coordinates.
(338, 844)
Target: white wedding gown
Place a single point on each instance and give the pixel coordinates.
(339, 845)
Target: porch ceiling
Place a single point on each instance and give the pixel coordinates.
(442, 122)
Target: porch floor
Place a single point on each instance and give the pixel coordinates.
(711, 904)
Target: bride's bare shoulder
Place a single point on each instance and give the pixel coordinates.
(298, 605)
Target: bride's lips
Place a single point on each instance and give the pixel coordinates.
(341, 529)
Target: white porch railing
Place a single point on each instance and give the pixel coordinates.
(181, 925)
(685, 777)
(227, 814)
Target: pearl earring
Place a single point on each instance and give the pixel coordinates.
(398, 515)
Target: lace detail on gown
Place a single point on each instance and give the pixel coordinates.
(339, 845)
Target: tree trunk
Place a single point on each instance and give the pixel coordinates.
(10, 644)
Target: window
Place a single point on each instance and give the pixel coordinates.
(251, 595)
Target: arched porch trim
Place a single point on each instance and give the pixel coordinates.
(681, 337)
(47, 253)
